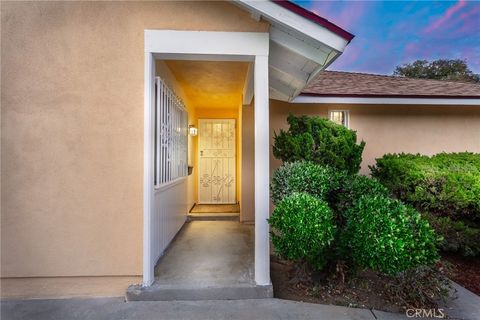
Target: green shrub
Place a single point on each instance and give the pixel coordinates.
(320, 141)
(302, 176)
(353, 187)
(444, 184)
(457, 236)
(387, 236)
(302, 229)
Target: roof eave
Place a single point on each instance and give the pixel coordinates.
(387, 99)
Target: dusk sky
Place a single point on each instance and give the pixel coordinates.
(389, 33)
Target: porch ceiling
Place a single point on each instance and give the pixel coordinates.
(301, 46)
(210, 84)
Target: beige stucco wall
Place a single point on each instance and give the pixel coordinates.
(72, 130)
(395, 128)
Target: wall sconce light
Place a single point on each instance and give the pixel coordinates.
(192, 130)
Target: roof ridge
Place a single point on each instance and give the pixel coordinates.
(402, 77)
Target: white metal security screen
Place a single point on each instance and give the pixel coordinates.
(216, 139)
(169, 207)
(171, 129)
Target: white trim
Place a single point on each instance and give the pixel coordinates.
(298, 46)
(382, 100)
(262, 171)
(226, 46)
(206, 43)
(148, 272)
(279, 15)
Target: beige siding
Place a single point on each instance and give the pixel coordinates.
(72, 130)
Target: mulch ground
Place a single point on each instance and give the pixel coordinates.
(464, 271)
(366, 290)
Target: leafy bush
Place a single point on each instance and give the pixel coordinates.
(457, 236)
(385, 235)
(302, 229)
(302, 176)
(321, 141)
(444, 184)
(354, 187)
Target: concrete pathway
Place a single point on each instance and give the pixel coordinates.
(116, 309)
(465, 307)
(208, 260)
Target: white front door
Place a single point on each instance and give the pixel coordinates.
(216, 148)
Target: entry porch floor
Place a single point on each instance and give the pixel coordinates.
(207, 260)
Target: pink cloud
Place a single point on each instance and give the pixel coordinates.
(446, 17)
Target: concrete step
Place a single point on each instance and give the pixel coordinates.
(213, 216)
(164, 292)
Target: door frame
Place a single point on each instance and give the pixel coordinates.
(235, 168)
(211, 46)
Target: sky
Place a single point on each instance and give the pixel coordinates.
(390, 33)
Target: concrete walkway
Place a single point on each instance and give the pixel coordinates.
(208, 260)
(116, 308)
(465, 307)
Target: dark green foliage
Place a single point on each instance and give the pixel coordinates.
(302, 176)
(387, 236)
(302, 229)
(457, 236)
(441, 69)
(356, 186)
(320, 141)
(444, 184)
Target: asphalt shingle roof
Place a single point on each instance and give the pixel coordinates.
(349, 84)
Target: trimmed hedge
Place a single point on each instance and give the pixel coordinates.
(320, 141)
(302, 176)
(457, 236)
(354, 187)
(387, 236)
(302, 229)
(444, 184)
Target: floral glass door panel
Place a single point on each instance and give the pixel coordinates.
(216, 147)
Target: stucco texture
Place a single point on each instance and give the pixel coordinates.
(394, 128)
(72, 130)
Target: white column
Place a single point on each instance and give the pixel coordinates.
(148, 264)
(262, 171)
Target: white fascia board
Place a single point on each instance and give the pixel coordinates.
(276, 14)
(207, 43)
(383, 100)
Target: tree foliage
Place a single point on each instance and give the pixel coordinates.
(441, 69)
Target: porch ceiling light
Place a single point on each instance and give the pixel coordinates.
(192, 130)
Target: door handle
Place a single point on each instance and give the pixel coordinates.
(201, 153)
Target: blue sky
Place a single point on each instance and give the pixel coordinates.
(389, 33)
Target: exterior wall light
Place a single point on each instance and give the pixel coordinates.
(192, 130)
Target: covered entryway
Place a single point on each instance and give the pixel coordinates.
(280, 63)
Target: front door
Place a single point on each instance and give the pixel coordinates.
(216, 147)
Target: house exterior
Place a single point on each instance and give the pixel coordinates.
(97, 102)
